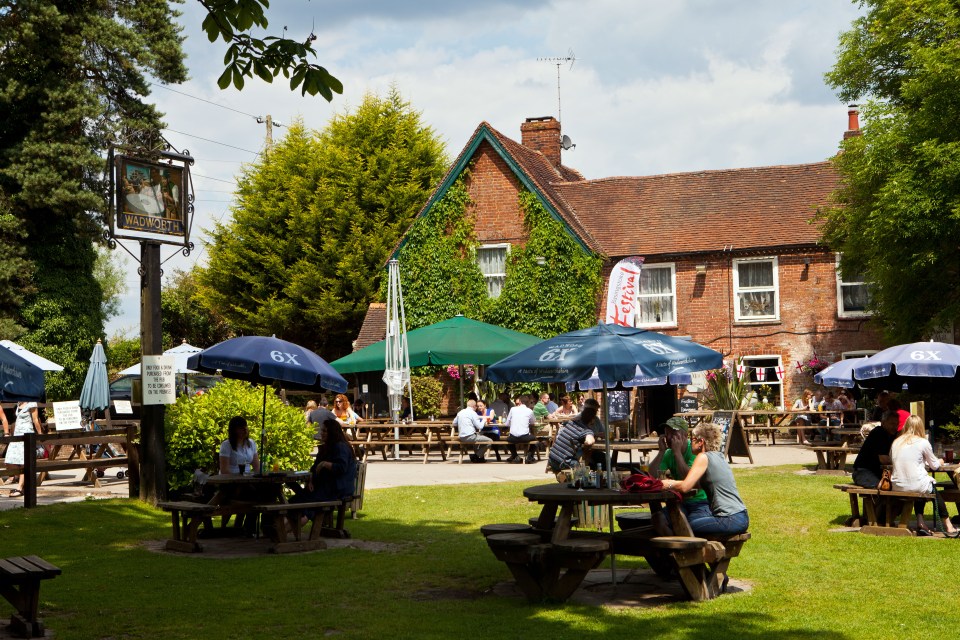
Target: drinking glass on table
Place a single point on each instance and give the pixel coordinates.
(241, 468)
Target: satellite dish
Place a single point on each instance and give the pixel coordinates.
(566, 143)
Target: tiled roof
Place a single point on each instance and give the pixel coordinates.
(374, 327)
(703, 210)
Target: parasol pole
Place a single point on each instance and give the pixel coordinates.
(606, 438)
(263, 429)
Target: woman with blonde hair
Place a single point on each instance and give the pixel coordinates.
(803, 404)
(912, 455)
(728, 514)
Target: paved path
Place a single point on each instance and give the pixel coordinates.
(66, 486)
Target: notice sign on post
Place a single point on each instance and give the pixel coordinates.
(67, 415)
(159, 380)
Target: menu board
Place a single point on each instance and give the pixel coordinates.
(688, 404)
(723, 419)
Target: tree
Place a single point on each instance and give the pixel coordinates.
(896, 215)
(109, 271)
(186, 318)
(231, 20)
(317, 218)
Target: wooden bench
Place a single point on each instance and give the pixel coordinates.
(383, 443)
(858, 517)
(286, 520)
(495, 446)
(546, 571)
(20, 578)
(186, 519)
(896, 507)
(832, 458)
(701, 563)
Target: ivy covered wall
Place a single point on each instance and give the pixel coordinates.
(441, 278)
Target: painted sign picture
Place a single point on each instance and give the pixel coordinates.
(150, 197)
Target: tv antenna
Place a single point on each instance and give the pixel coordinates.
(559, 61)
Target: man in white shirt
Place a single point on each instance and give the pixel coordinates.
(520, 419)
(468, 425)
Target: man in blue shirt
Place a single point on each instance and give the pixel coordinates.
(468, 425)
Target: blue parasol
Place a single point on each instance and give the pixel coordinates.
(263, 360)
(95, 393)
(839, 374)
(919, 366)
(20, 380)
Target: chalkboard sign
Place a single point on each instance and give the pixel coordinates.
(618, 405)
(688, 404)
(723, 419)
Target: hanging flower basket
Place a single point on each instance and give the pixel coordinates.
(814, 365)
(454, 372)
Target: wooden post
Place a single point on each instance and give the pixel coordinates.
(153, 476)
(133, 463)
(29, 469)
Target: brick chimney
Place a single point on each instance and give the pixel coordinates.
(542, 134)
(853, 122)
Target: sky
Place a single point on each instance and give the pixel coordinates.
(645, 86)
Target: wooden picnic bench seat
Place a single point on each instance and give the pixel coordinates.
(286, 521)
(495, 446)
(546, 571)
(186, 519)
(384, 443)
(20, 578)
(832, 458)
(701, 563)
(896, 507)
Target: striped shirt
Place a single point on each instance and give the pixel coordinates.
(567, 446)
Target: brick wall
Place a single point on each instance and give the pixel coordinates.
(494, 191)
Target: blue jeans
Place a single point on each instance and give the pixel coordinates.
(707, 523)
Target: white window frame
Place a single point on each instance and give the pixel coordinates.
(737, 289)
(862, 353)
(673, 295)
(488, 276)
(841, 312)
(771, 379)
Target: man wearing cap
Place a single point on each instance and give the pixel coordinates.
(575, 437)
(675, 456)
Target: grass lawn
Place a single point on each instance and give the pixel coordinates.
(807, 582)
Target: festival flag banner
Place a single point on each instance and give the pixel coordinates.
(622, 292)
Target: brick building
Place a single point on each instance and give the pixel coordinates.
(731, 258)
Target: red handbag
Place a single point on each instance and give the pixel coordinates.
(641, 483)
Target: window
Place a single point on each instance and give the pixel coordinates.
(853, 294)
(492, 259)
(769, 387)
(656, 301)
(755, 289)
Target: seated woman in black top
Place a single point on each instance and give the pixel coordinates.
(334, 471)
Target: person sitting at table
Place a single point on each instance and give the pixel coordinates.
(310, 408)
(487, 416)
(802, 404)
(540, 409)
(675, 456)
(333, 475)
(849, 405)
(566, 409)
(728, 514)
(238, 453)
(832, 419)
(468, 425)
(880, 406)
(912, 455)
(405, 410)
(893, 406)
(346, 416)
(320, 415)
(519, 421)
(502, 405)
(575, 439)
(867, 468)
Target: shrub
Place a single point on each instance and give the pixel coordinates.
(427, 392)
(196, 425)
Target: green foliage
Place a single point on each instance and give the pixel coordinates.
(427, 393)
(232, 20)
(725, 390)
(441, 277)
(317, 218)
(896, 215)
(555, 297)
(109, 270)
(122, 352)
(196, 425)
(15, 271)
(185, 317)
(71, 80)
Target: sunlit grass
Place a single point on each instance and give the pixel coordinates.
(806, 581)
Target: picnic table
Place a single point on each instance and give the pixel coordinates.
(251, 495)
(368, 437)
(549, 561)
